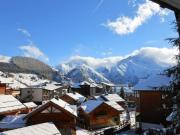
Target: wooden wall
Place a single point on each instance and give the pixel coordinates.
(63, 120)
(151, 109)
(68, 99)
(2, 89)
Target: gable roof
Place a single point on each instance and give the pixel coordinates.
(76, 96)
(60, 103)
(39, 129)
(115, 105)
(90, 105)
(8, 103)
(112, 97)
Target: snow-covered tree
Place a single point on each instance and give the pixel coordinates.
(174, 72)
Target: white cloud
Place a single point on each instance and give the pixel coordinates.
(24, 31)
(95, 62)
(34, 52)
(125, 25)
(160, 55)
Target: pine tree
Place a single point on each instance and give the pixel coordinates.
(174, 87)
(122, 93)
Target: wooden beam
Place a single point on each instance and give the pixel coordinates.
(166, 5)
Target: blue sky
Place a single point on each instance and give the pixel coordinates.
(54, 30)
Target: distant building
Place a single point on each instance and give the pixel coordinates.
(73, 98)
(95, 114)
(88, 89)
(4, 89)
(62, 114)
(39, 94)
(108, 87)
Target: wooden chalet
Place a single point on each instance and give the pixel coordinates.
(152, 103)
(57, 111)
(9, 105)
(73, 98)
(95, 114)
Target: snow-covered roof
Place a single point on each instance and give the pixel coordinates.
(84, 83)
(154, 81)
(115, 105)
(171, 116)
(50, 86)
(99, 98)
(90, 105)
(8, 103)
(108, 84)
(76, 96)
(12, 122)
(112, 97)
(39, 129)
(64, 105)
(80, 131)
(60, 103)
(30, 105)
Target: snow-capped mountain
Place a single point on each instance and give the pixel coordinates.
(139, 65)
(84, 72)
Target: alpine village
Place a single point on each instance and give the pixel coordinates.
(32, 102)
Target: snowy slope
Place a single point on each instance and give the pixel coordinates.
(21, 80)
(85, 73)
